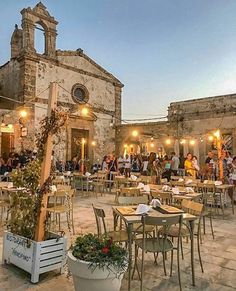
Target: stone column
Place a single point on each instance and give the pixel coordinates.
(50, 42)
(118, 91)
(28, 35)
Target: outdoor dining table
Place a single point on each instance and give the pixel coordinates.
(224, 188)
(130, 220)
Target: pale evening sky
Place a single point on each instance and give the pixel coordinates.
(162, 50)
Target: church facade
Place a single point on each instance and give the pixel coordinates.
(26, 78)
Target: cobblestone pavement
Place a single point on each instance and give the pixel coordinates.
(219, 258)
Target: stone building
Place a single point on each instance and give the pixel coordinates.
(189, 128)
(26, 78)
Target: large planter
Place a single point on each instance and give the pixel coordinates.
(35, 257)
(87, 279)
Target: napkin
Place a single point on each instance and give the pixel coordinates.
(189, 181)
(180, 180)
(10, 185)
(142, 209)
(133, 177)
(218, 183)
(175, 190)
(53, 188)
(155, 203)
(146, 188)
(5, 174)
(205, 181)
(68, 173)
(189, 190)
(166, 188)
(87, 174)
(140, 185)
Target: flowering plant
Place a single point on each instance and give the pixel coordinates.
(101, 252)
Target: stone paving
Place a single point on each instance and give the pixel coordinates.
(219, 258)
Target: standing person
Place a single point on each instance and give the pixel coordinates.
(135, 164)
(105, 164)
(127, 165)
(167, 168)
(112, 167)
(188, 166)
(120, 164)
(209, 165)
(152, 167)
(233, 179)
(174, 163)
(195, 166)
(144, 165)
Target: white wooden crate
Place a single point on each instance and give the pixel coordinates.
(35, 257)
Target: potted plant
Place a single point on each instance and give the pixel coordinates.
(97, 263)
(26, 241)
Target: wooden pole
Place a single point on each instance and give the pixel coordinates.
(220, 162)
(82, 155)
(46, 166)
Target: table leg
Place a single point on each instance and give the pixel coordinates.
(129, 231)
(191, 223)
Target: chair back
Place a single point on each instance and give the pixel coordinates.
(177, 183)
(100, 220)
(165, 223)
(162, 221)
(122, 200)
(165, 197)
(192, 207)
(63, 187)
(145, 179)
(132, 191)
(101, 175)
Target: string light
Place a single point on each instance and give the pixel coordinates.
(183, 141)
(135, 133)
(192, 142)
(84, 111)
(168, 141)
(152, 145)
(217, 134)
(93, 143)
(23, 113)
(210, 138)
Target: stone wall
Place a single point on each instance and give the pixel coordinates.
(10, 79)
(101, 94)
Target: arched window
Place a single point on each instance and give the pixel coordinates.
(39, 39)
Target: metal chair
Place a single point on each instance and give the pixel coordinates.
(62, 203)
(193, 208)
(117, 236)
(159, 244)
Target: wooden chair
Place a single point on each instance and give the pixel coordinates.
(146, 179)
(158, 244)
(132, 191)
(61, 187)
(150, 230)
(177, 184)
(62, 204)
(117, 236)
(132, 200)
(165, 197)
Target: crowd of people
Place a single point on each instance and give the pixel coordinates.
(14, 160)
(164, 167)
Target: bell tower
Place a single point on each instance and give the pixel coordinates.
(32, 17)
